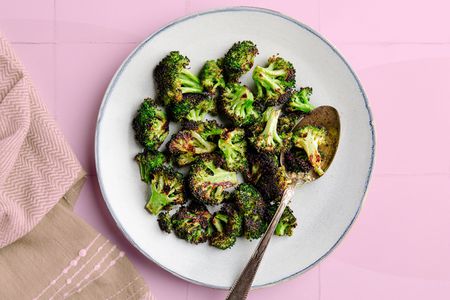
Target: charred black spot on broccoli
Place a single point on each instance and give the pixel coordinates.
(165, 221)
(273, 183)
(296, 161)
(239, 60)
(259, 164)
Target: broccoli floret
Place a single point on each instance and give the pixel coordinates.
(296, 161)
(209, 130)
(259, 163)
(150, 125)
(299, 101)
(287, 122)
(228, 225)
(273, 183)
(310, 138)
(252, 207)
(269, 140)
(193, 107)
(166, 189)
(149, 161)
(174, 79)
(186, 144)
(207, 180)
(274, 82)
(211, 76)
(287, 221)
(233, 147)
(165, 221)
(192, 223)
(237, 104)
(239, 60)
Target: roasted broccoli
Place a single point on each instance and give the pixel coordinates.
(287, 122)
(268, 140)
(211, 76)
(296, 161)
(186, 144)
(192, 223)
(228, 225)
(299, 101)
(258, 164)
(273, 183)
(149, 161)
(233, 147)
(207, 180)
(166, 189)
(193, 107)
(237, 104)
(209, 130)
(239, 60)
(150, 125)
(252, 207)
(174, 79)
(274, 82)
(165, 221)
(287, 221)
(310, 138)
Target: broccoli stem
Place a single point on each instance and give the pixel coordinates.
(304, 107)
(270, 130)
(189, 82)
(280, 229)
(268, 78)
(202, 146)
(156, 202)
(220, 175)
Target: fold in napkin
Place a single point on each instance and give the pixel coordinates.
(46, 251)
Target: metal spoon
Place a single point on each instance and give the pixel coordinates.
(323, 116)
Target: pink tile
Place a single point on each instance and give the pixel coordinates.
(82, 74)
(305, 286)
(385, 21)
(341, 281)
(39, 62)
(403, 230)
(410, 103)
(114, 21)
(304, 11)
(27, 21)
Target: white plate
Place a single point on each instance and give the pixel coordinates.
(325, 208)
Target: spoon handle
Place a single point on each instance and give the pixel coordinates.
(241, 287)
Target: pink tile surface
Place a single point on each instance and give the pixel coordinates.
(398, 248)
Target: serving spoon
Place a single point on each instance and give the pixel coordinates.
(322, 116)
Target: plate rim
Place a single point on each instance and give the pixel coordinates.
(207, 12)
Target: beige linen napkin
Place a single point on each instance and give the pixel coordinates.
(46, 251)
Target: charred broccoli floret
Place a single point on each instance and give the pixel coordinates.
(193, 107)
(239, 60)
(273, 183)
(228, 225)
(269, 140)
(310, 138)
(174, 79)
(274, 82)
(252, 207)
(149, 161)
(287, 122)
(211, 76)
(207, 180)
(192, 223)
(299, 101)
(233, 147)
(165, 221)
(296, 161)
(209, 130)
(166, 189)
(258, 164)
(186, 144)
(287, 221)
(237, 104)
(150, 125)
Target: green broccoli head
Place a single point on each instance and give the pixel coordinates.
(192, 223)
(273, 183)
(310, 138)
(149, 161)
(239, 60)
(193, 107)
(150, 125)
(268, 140)
(166, 189)
(207, 180)
(233, 148)
(174, 79)
(237, 104)
(211, 76)
(228, 225)
(299, 101)
(165, 221)
(274, 82)
(287, 223)
(296, 161)
(191, 143)
(259, 163)
(252, 207)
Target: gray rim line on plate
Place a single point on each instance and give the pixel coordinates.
(230, 9)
